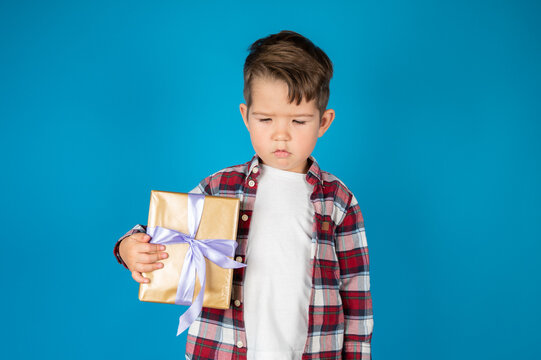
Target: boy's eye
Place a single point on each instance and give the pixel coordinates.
(296, 121)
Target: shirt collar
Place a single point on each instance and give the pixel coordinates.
(313, 175)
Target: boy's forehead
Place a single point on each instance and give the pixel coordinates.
(270, 98)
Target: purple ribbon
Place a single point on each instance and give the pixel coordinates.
(216, 250)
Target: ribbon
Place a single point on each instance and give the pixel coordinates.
(216, 250)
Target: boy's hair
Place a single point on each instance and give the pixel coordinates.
(290, 57)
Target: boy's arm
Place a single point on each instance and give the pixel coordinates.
(352, 252)
(143, 228)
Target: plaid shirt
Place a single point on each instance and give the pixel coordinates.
(340, 317)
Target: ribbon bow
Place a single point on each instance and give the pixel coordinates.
(216, 250)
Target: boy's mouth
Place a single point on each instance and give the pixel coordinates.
(281, 153)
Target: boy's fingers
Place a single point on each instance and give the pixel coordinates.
(145, 258)
(152, 248)
(143, 267)
(137, 276)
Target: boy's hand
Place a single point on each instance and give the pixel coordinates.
(140, 256)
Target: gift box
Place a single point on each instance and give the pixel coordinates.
(199, 232)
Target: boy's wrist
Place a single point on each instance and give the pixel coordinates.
(117, 252)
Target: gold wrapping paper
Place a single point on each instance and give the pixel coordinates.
(219, 221)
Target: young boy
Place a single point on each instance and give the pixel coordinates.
(305, 292)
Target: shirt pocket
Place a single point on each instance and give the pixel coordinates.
(326, 253)
(328, 265)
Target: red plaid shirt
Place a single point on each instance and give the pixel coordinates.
(340, 317)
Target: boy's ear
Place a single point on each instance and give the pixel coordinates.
(326, 121)
(244, 113)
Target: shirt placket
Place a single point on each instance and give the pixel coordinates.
(316, 194)
(249, 192)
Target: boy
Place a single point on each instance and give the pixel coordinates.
(305, 292)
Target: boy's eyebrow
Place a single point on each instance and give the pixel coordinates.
(291, 115)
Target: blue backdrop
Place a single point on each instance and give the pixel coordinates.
(437, 133)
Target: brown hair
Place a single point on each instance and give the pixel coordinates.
(290, 57)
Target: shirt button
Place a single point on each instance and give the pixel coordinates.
(239, 344)
(237, 303)
(238, 259)
(244, 217)
(251, 183)
(255, 170)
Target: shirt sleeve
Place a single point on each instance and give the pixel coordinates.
(352, 252)
(199, 189)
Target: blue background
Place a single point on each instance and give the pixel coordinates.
(437, 134)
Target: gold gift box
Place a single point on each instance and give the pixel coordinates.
(218, 221)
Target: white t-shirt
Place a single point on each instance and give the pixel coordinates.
(278, 276)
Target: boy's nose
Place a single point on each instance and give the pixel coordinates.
(281, 132)
(281, 137)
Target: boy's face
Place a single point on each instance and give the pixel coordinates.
(275, 124)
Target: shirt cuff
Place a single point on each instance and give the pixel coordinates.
(356, 350)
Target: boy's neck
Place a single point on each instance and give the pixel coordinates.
(305, 170)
